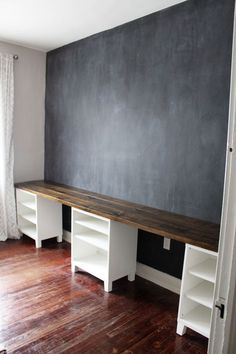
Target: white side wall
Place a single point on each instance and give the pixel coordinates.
(29, 117)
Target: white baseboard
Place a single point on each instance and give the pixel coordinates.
(155, 276)
(66, 236)
(162, 279)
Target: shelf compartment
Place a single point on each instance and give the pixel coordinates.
(205, 270)
(95, 264)
(199, 320)
(30, 205)
(94, 224)
(31, 217)
(29, 230)
(202, 294)
(94, 238)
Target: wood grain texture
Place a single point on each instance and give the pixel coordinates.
(177, 227)
(46, 309)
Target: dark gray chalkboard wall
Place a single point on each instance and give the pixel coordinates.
(140, 112)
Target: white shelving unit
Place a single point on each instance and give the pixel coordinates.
(197, 290)
(38, 218)
(103, 248)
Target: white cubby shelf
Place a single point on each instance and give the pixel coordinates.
(102, 247)
(205, 270)
(37, 217)
(197, 290)
(199, 319)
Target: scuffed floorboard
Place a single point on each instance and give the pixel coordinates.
(46, 309)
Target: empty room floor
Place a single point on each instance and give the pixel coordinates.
(46, 309)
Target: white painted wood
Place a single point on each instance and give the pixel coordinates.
(162, 279)
(59, 238)
(187, 306)
(38, 218)
(49, 218)
(199, 320)
(24, 197)
(29, 230)
(197, 290)
(131, 276)
(181, 329)
(107, 286)
(26, 215)
(94, 238)
(155, 276)
(95, 264)
(122, 251)
(38, 243)
(222, 338)
(66, 236)
(93, 224)
(74, 245)
(205, 270)
(202, 294)
(29, 205)
(30, 217)
(103, 248)
(86, 214)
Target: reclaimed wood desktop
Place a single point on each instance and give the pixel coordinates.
(173, 226)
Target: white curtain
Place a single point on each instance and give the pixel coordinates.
(8, 225)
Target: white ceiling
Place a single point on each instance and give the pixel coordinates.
(49, 24)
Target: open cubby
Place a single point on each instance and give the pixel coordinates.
(102, 247)
(38, 218)
(197, 290)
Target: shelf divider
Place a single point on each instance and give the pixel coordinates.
(202, 294)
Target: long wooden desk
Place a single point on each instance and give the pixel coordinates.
(104, 241)
(177, 227)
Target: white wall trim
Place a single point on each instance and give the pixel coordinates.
(155, 276)
(222, 337)
(162, 279)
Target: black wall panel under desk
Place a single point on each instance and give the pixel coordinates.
(152, 253)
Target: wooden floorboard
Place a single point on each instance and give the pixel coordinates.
(46, 309)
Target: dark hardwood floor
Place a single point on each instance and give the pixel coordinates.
(45, 309)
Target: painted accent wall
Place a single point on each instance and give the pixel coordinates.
(140, 113)
(29, 111)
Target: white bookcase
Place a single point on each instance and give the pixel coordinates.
(102, 247)
(197, 290)
(38, 218)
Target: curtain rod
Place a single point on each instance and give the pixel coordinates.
(15, 56)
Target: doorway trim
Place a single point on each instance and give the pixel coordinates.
(226, 268)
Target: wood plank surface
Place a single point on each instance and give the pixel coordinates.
(46, 309)
(174, 226)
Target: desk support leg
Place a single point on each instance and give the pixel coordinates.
(73, 268)
(38, 243)
(107, 286)
(59, 238)
(181, 329)
(131, 276)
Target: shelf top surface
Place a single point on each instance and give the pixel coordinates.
(205, 270)
(174, 226)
